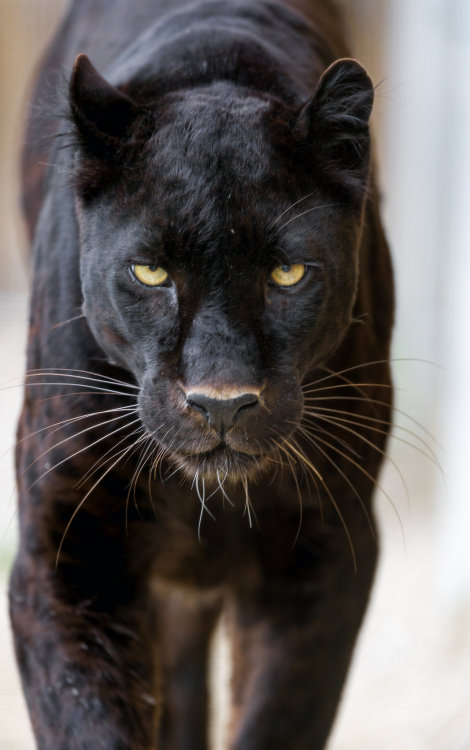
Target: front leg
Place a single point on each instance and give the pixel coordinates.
(292, 643)
(83, 640)
(185, 627)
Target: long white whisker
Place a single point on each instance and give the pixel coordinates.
(313, 441)
(366, 474)
(221, 488)
(76, 435)
(85, 448)
(83, 500)
(145, 451)
(333, 374)
(356, 422)
(65, 322)
(302, 457)
(351, 384)
(309, 210)
(103, 460)
(71, 420)
(202, 500)
(378, 402)
(248, 504)
(63, 372)
(299, 495)
(292, 205)
(96, 390)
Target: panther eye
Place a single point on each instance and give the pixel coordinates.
(287, 275)
(150, 275)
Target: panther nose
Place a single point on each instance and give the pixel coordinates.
(221, 413)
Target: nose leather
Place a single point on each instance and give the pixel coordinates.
(221, 413)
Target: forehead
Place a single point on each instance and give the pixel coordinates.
(215, 175)
(211, 166)
(211, 137)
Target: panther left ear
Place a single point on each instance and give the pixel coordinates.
(335, 122)
(102, 113)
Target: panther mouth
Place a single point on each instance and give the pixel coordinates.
(221, 462)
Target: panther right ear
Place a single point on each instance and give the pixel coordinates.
(335, 124)
(102, 113)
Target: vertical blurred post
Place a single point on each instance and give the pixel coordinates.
(413, 161)
(427, 161)
(25, 25)
(454, 520)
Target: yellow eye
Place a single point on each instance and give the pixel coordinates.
(149, 275)
(286, 275)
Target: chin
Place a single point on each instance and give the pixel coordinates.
(223, 464)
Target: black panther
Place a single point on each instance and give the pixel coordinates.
(208, 391)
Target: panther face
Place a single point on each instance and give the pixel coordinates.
(219, 233)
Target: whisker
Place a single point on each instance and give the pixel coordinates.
(65, 322)
(221, 488)
(312, 393)
(299, 495)
(77, 453)
(292, 205)
(145, 451)
(160, 454)
(177, 468)
(342, 377)
(96, 389)
(94, 393)
(356, 421)
(76, 435)
(153, 453)
(84, 499)
(56, 426)
(278, 464)
(64, 372)
(216, 489)
(302, 457)
(309, 210)
(377, 402)
(248, 505)
(310, 438)
(333, 374)
(163, 450)
(341, 423)
(202, 500)
(335, 505)
(102, 461)
(366, 474)
(348, 384)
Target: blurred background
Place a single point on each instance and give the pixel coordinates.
(410, 682)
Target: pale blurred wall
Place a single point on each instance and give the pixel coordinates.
(419, 53)
(25, 25)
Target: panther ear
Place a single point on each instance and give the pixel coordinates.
(335, 123)
(101, 112)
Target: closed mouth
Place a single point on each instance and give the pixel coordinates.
(222, 449)
(221, 461)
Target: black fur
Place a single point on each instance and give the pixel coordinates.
(225, 143)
